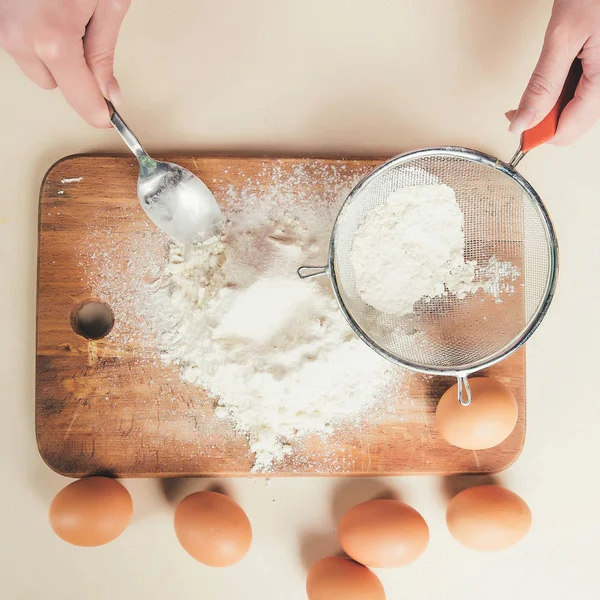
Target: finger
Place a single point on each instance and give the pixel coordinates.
(583, 110)
(37, 71)
(99, 44)
(547, 80)
(510, 114)
(66, 63)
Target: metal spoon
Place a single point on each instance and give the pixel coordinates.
(175, 199)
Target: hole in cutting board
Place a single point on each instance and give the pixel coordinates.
(92, 319)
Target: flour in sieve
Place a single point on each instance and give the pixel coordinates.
(273, 351)
(412, 247)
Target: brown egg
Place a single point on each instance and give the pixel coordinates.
(91, 512)
(486, 422)
(488, 517)
(383, 533)
(337, 578)
(213, 529)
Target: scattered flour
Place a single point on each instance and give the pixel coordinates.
(412, 247)
(178, 305)
(273, 351)
(498, 277)
(71, 180)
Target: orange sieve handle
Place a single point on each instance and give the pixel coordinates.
(545, 130)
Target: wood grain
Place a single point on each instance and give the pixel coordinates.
(109, 406)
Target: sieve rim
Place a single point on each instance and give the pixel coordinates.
(467, 154)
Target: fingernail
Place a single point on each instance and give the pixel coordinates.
(522, 120)
(114, 91)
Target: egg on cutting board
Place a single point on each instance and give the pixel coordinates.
(383, 533)
(486, 422)
(91, 512)
(488, 518)
(338, 578)
(213, 529)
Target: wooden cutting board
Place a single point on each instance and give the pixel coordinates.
(111, 406)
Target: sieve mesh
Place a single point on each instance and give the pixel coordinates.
(503, 218)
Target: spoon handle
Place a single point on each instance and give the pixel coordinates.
(126, 133)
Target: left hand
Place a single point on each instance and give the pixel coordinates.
(68, 44)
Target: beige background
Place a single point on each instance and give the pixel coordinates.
(344, 77)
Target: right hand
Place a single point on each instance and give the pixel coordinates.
(68, 44)
(574, 30)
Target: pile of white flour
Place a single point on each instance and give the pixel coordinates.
(412, 247)
(273, 351)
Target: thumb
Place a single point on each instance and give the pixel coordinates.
(546, 82)
(99, 44)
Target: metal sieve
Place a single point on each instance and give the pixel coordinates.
(505, 222)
